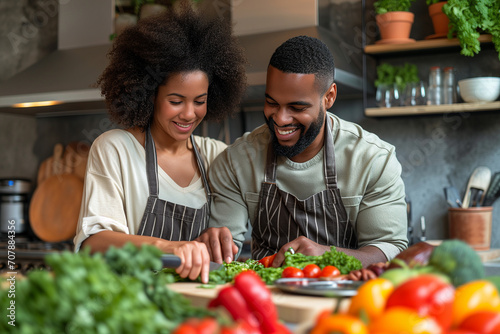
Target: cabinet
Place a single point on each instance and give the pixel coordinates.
(430, 48)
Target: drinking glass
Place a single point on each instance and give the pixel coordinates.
(415, 94)
(395, 96)
(383, 96)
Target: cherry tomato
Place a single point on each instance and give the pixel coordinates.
(311, 271)
(329, 271)
(289, 272)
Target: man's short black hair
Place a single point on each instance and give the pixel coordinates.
(306, 55)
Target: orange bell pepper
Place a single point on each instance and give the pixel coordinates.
(339, 323)
(371, 298)
(397, 320)
(479, 295)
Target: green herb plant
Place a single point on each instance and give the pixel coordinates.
(468, 19)
(118, 292)
(388, 74)
(385, 6)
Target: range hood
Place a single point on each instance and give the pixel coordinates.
(64, 76)
(68, 75)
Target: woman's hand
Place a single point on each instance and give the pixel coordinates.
(195, 260)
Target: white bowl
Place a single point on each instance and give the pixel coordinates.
(482, 89)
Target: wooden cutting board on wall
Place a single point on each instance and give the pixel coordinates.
(291, 308)
(55, 205)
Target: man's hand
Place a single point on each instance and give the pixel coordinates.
(299, 245)
(220, 245)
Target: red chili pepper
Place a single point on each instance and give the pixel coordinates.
(259, 300)
(267, 261)
(233, 301)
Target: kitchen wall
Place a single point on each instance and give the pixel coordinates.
(434, 150)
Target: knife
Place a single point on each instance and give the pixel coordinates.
(173, 261)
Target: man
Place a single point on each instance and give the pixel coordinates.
(306, 180)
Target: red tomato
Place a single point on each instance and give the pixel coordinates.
(312, 271)
(460, 331)
(207, 326)
(482, 322)
(185, 328)
(267, 261)
(428, 295)
(292, 272)
(329, 271)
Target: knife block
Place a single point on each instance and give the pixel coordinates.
(471, 225)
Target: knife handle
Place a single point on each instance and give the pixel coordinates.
(170, 261)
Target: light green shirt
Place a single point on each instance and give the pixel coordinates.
(368, 173)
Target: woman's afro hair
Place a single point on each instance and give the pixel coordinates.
(175, 41)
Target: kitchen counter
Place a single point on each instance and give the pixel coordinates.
(292, 308)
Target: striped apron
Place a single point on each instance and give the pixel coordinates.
(168, 220)
(282, 217)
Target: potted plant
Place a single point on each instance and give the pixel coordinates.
(439, 19)
(468, 19)
(394, 20)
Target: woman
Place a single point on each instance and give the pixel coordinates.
(147, 184)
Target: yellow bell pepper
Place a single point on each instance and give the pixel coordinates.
(479, 295)
(339, 323)
(371, 298)
(398, 320)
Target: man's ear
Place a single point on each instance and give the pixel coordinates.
(330, 96)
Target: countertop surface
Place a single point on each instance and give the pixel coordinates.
(292, 308)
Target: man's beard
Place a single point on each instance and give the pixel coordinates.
(304, 141)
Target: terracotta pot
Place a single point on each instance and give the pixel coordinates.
(439, 19)
(395, 25)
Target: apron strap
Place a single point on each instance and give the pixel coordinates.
(201, 167)
(329, 156)
(270, 173)
(151, 164)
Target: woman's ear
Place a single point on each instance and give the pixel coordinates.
(330, 96)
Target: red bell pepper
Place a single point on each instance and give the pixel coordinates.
(428, 295)
(482, 322)
(267, 261)
(232, 300)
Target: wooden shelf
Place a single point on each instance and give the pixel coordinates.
(439, 109)
(422, 45)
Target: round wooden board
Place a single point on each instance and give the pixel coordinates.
(55, 207)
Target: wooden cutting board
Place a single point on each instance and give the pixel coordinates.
(55, 207)
(291, 308)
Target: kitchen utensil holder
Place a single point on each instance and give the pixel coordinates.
(471, 225)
